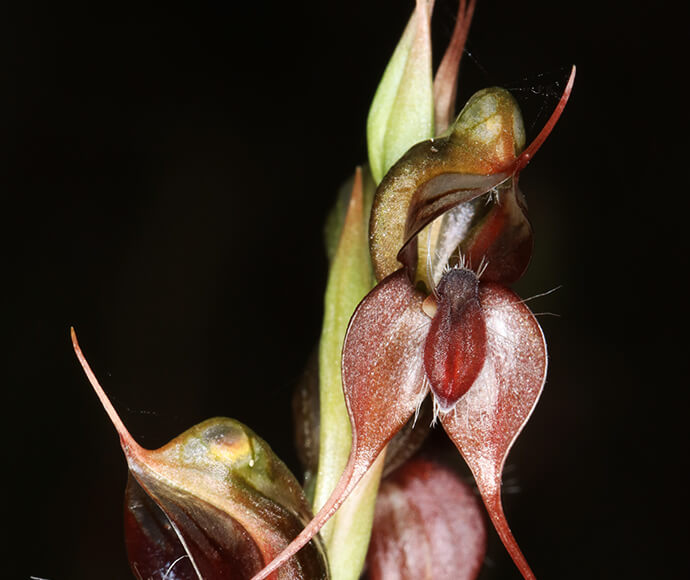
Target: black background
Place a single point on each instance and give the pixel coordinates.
(166, 171)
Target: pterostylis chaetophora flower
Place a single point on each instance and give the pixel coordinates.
(448, 232)
(214, 503)
(420, 328)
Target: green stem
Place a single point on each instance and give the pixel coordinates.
(346, 535)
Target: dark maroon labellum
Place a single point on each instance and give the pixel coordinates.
(455, 347)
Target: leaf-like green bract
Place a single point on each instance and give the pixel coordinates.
(402, 112)
(215, 503)
(428, 526)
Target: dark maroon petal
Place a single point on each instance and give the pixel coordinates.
(428, 526)
(382, 362)
(442, 194)
(306, 419)
(494, 233)
(215, 546)
(153, 547)
(410, 438)
(456, 344)
(383, 383)
(502, 238)
(488, 418)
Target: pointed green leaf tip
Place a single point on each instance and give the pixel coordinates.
(402, 112)
(351, 277)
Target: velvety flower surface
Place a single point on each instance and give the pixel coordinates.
(473, 344)
(428, 526)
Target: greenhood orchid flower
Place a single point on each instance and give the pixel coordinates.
(214, 503)
(467, 340)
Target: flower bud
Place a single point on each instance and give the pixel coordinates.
(428, 525)
(402, 112)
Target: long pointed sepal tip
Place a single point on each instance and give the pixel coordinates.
(127, 440)
(498, 518)
(527, 154)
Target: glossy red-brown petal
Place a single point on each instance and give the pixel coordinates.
(410, 438)
(488, 418)
(154, 549)
(455, 347)
(502, 238)
(215, 546)
(305, 413)
(442, 193)
(491, 234)
(383, 383)
(435, 198)
(428, 526)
